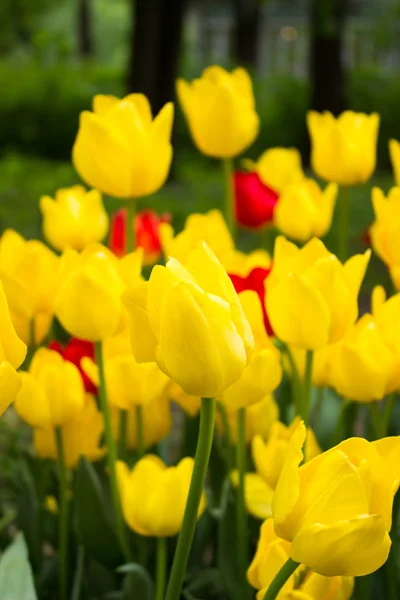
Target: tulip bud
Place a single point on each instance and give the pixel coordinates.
(278, 167)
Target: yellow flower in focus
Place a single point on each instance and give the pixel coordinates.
(343, 149)
(120, 149)
(336, 509)
(74, 218)
(52, 391)
(88, 301)
(385, 230)
(363, 366)
(156, 423)
(304, 210)
(220, 111)
(28, 271)
(189, 320)
(394, 151)
(263, 374)
(279, 167)
(260, 418)
(12, 355)
(154, 496)
(311, 296)
(272, 553)
(81, 436)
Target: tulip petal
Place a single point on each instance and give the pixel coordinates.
(31, 403)
(143, 340)
(10, 384)
(356, 547)
(12, 349)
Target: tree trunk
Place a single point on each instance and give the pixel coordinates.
(247, 32)
(85, 39)
(326, 55)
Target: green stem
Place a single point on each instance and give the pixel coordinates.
(111, 454)
(387, 414)
(343, 224)
(296, 383)
(130, 226)
(229, 205)
(280, 579)
(203, 451)
(161, 568)
(139, 432)
(377, 419)
(241, 513)
(227, 435)
(80, 562)
(123, 434)
(307, 386)
(63, 515)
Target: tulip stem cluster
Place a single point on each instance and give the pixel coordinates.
(111, 454)
(63, 514)
(280, 579)
(241, 512)
(161, 568)
(203, 452)
(229, 208)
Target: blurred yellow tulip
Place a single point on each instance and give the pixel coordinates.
(88, 301)
(189, 320)
(278, 167)
(120, 149)
(260, 418)
(28, 271)
(190, 404)
(154, 496)
(272, 553)
(311, 297)
(385, 312)
(394, 151)
(52, 391)
(321, 364)
(220, 111)
(336, 509)
(81, 436)
(74, 218)
(304, 210)
(385, 230)
(343, 149)
(12, 354)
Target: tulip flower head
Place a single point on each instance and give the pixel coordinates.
(28, 271)
(311, 296)
(12, 355)
(278, 167)
(385, 230)
(255, 202)
(343, 149)
(52, 391)
(305, 211)
(255, 281)
(220, 111)
(120, 149)
(272, 553)
(189, 320)
(154, 496)
(74, 352)
(394, 151)
(74, 218)
(336, 509)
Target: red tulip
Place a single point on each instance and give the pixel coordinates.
(146, 230)
(73, 352)
(255, 202)
(255, 281)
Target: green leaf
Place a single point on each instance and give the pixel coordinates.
(227, 544)
(16, 580)
(94, 526)
(138, 584)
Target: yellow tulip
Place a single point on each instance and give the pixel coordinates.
(28, 271)
(12, 354)
(311, 297)
(279, 167)
(304, 210)
(272, 553)
(394, 151)
(88, 301)
(154, 496)
(81, 436)
(220, 111)
(52, 391)
(363, 366)
(343, 149)
(190, 404)
(74, 218)
(263, 374)
(189, 320)
(385, 230)
(156, 423)
(386, 317)
(321, 368)
(336, 509)
(120, 149)
(240, 263)
(260, 418)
